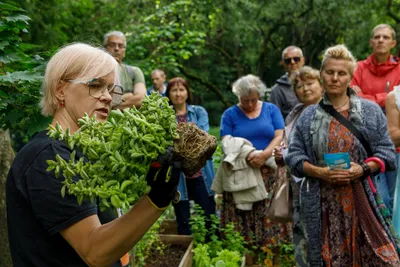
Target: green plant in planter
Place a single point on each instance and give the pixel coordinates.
(233, 240)
(198, 225)
(225, 252)
(224, 258)
(227, 258)
(201, 256)
(216, 243)
(149, 241)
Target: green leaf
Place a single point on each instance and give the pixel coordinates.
(4, 6)
(25, 76)
(13, 116)
(17, 18)
(3, 94)
(3, 44)
(12, 57)
(37, 124)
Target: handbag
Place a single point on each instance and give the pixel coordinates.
(281, 207)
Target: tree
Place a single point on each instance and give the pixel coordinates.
(20, 75)
(6, 157)
(212, 43)
(19, 94)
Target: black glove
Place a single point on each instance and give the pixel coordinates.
(163, 178)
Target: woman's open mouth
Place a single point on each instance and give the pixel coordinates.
(102, 112)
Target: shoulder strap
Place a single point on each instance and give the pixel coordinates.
(346, 123)
(130, 72)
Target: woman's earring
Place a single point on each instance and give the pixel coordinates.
(62, 103)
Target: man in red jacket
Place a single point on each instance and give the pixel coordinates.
(376, 76)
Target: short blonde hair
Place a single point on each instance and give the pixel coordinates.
(75, 61)
(340, 52)
(304, 73)
(245, 85)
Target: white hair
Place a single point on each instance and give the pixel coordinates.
(289, 48)
(245, 85)
(113, 33)
(74, 61)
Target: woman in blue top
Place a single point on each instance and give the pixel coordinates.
(262, 124)
(197, 187)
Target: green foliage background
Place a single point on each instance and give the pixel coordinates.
(209, 42)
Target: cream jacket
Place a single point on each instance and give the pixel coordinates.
(237, 176)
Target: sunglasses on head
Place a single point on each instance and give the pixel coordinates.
(289, 60)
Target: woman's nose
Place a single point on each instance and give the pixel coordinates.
(106, 96)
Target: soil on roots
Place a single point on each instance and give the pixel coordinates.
(194, 147)
(171, 256)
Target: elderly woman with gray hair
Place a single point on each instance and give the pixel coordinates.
(262, 124)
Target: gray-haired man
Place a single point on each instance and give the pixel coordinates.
(282, 93)
(131, 78)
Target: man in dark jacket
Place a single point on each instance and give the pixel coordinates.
(282, 94)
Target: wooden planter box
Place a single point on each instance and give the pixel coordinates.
(181, 240)
(184, 240)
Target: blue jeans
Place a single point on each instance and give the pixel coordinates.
(396, 206)
(386, 185)
(382, 186)
(197, 192)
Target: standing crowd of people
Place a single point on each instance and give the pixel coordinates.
(343, 216)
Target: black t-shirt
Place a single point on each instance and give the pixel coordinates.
(36, 212)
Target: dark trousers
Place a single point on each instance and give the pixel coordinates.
(197, 192)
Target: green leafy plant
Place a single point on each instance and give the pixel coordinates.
(149, 241)
(232, 239)
(226, 251)
(223, 258)
(227, 258)
(20, 75)
(119, 152)
(201, 256)
(215, 244)
(198, 226)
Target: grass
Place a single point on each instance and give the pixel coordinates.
(214, 130)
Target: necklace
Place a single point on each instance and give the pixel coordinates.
(340, 108)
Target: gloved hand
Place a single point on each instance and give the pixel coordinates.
(163, 178)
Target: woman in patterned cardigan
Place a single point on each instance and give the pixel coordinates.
(343, 222)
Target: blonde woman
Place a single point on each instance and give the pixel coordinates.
(45, 229)
(342, 220)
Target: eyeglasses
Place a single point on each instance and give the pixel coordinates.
(97, 88)
(288, 60)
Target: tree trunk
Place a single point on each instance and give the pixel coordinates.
(6, 157)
